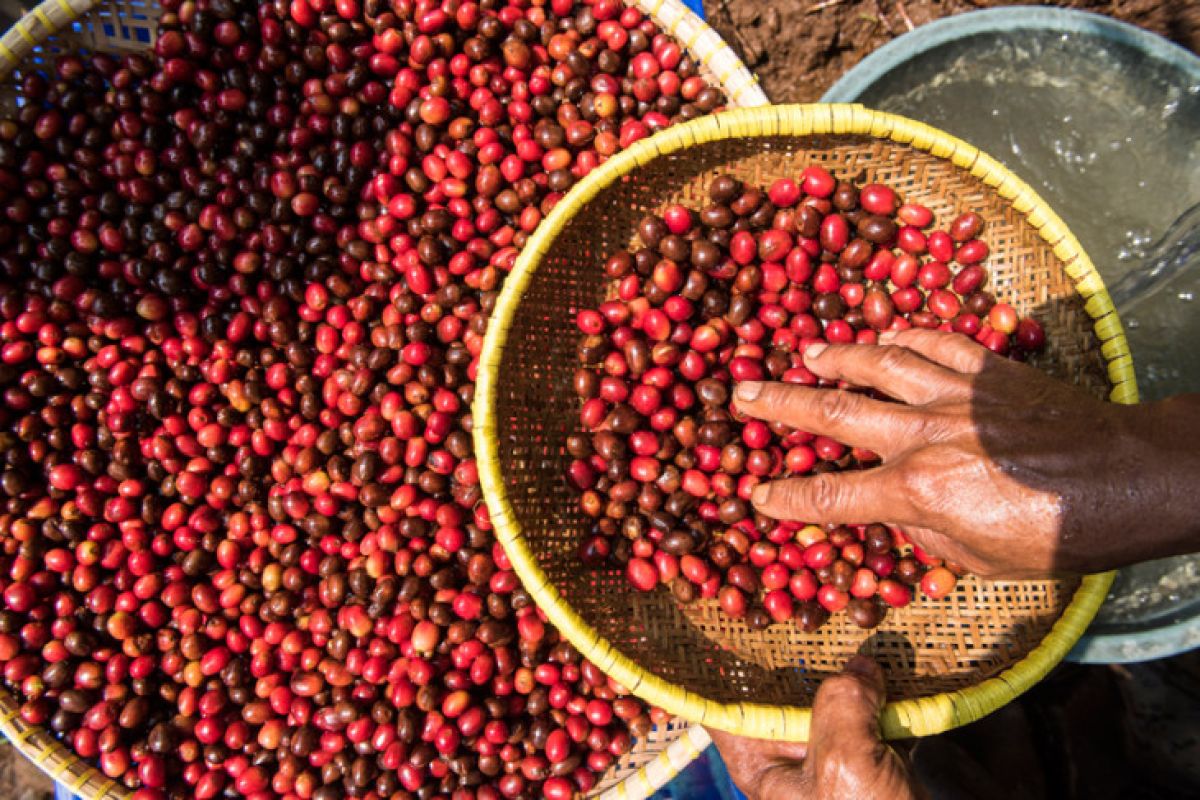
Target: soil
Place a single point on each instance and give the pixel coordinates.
(799, 48)
(20, 779)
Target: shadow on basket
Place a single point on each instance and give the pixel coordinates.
(948, 661)
(937, 646)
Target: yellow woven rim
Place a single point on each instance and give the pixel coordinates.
(53, 18)
(654, 775)
(922, 716)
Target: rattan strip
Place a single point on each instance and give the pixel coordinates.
(916, 716)
(686, 743)
(36, 744)
(72, 25)
(716, 57)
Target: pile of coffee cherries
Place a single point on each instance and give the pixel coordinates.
(736, 291)
(244, 281)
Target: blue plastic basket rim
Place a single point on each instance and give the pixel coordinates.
(851, 86)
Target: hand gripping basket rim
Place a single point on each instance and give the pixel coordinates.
(922, 716)
(53, 17)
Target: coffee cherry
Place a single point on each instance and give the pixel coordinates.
(665, 463)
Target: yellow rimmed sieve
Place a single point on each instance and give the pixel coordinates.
(949, 661)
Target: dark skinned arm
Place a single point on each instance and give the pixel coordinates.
(990, 463)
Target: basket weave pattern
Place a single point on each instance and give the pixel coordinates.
(83, 26)
(947, 661)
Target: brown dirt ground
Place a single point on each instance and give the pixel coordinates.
(798, 48)
(20, 779)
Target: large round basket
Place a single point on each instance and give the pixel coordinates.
(948, 662)
(87, 26)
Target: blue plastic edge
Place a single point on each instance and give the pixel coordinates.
(696, 6)
(1161, 641)
(851, 86)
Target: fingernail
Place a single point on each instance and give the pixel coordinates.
(749, 390)
(887, 337)
(760, 493)
(814, 350)
(862, 666)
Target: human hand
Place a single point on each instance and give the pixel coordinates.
(987, 462)
(843, 760)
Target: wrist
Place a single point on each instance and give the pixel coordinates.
(1157, 486)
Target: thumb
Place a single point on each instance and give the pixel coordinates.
(846, 711)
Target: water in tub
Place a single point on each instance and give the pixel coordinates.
(1112, 141)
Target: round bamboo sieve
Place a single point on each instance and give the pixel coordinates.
(948, 662)
(87, 26)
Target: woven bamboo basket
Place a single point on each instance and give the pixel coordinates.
(948, 662)
(87, 26)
